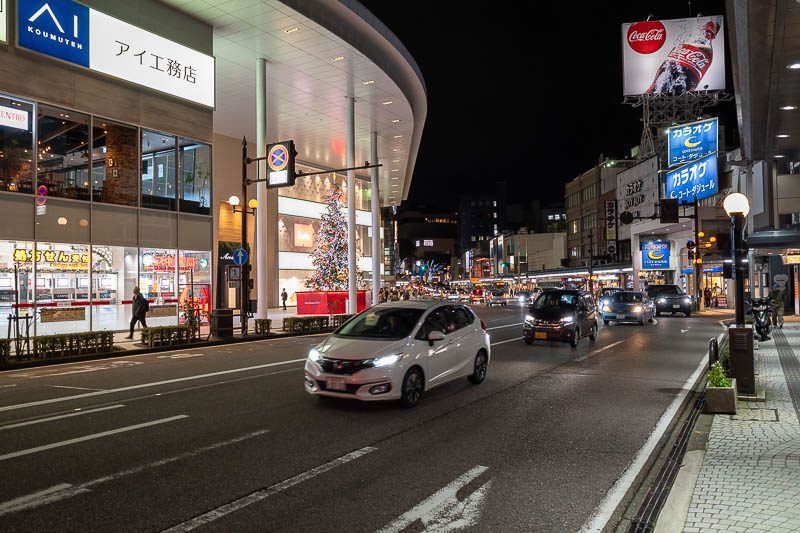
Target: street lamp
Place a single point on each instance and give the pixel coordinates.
(737, 206)
(234, 201)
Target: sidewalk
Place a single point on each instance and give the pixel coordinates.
(750, 474)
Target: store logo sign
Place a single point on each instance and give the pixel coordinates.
(655, 254)
(58, 28)
(13, 118)
(304, 235)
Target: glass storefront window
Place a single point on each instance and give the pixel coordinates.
(113, 278)
(195, 160)
(62, 288)
(114, 163)
(63, 152)
(16, 146)
(158, 283)
(21, 254)
(194, 281)
(158, 170)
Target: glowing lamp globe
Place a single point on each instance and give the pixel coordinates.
(253, 203)
(233, 200)
(736, 204)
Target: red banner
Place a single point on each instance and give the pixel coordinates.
(316, 302)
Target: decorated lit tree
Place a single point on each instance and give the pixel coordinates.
(330, 255)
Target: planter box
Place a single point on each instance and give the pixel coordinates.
(721, 400)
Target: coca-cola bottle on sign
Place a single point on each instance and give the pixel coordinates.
(686, 63)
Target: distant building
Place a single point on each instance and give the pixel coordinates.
(520, 253)
(426, 234)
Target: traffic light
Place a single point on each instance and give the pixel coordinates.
(669, 211)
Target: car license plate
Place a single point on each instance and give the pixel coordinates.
(541, 335)
(336, 384)
(676, 306)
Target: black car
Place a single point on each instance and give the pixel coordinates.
(670, 299)
(561, 315)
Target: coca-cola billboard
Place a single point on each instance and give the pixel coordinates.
(673, 56)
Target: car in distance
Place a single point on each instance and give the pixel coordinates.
(627, 306)
(496, 298)
(524, 297)
(561, 315)
(396, 351)
(670, 299)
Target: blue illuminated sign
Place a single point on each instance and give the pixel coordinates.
(697, 179)
(691, 141)
(655, 254)
(58, 28)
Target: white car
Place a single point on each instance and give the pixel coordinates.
(496, 298)
(398, 350)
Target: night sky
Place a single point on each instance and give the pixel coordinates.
(526, 92)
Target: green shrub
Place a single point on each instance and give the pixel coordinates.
(67, 344)
(307, 324)
(167, 335)
(263, 326)
(725, 356)
(716, 376)
(5, 351)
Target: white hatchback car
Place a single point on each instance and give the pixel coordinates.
(398, 350)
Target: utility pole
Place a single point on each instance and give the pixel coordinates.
(698, 266)
(591, 260)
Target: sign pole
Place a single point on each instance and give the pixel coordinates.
(698, 266)
(244, 282)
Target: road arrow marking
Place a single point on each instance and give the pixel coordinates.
(443, 511)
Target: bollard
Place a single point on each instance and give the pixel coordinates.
(713, 352)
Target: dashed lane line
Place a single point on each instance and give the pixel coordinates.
(597, 351)
(59, 417)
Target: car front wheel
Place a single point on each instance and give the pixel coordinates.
(479, 372)
(593, 334)
(413, 385)
(576, 336)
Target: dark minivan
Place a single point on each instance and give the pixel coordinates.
(561, 315)
(670, 299)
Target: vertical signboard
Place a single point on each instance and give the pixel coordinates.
(655, 255)
(696, 179)
(673, 56)
(688, 142)
(611, 227)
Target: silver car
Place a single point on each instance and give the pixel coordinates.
(496, 298)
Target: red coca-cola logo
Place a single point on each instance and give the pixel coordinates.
(647, 37)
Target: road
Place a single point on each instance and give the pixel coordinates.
(225, 438)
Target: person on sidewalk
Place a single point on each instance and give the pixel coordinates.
(140, 307)
(284, 295)
(716, 292)
(707, 296)
(776, 298)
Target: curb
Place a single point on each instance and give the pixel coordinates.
(156, 349)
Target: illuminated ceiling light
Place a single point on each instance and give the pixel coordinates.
(782, 135)
(291, 30)
(794, 66)
(395, 121)
(337, 58)
(395, 178)
(398, 136)
(778, 156)
(84, 222)
(395, 160)
(368, 82)
(395, 149)
(789, 107)
(62, 221)
(395, 170)
(387, 102)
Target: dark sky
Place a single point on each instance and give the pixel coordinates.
(527, 92)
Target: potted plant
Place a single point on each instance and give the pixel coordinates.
(720, 391)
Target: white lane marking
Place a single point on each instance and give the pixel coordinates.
(144, 385)
(259, 495)
(6, 386)
(89, 437)
(509, 340)
(443, 511)
(68, 387)
(65, 490)
(684, 330)
(179, 356)
(595, 352)
(24, 501)
(508, 326)
(603, 512)
(82, 369)
(59, 417)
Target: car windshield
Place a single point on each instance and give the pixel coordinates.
(668, 289)
(386, 323)
(523, 293)
(627, 297)
(554, 300)
(497, 293)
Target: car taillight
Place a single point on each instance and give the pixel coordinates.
(483, 325)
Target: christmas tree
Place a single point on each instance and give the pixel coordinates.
(330, 255)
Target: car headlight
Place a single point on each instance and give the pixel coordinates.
(314, 355)
(661, 300)
(687, 300)
(529, 318)
(637, 309)
(567, 320)
(388, 360)
(606, 309)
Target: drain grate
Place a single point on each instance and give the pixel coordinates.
(791, 367)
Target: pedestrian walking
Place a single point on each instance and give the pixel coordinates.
(707, 296)
(776, 299)
(716, 292)
(140, 307)
(284, 295)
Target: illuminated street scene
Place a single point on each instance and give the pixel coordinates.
(349, 265)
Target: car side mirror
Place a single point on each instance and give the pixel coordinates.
(434, 336)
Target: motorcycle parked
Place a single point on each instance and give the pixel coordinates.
(761, 308)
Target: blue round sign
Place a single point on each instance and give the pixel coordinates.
(240, 256)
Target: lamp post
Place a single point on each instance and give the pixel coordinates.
(245, 275)
(737, 206)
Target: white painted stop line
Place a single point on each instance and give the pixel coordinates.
(443, 511)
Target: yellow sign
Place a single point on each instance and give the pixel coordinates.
(793, 259)
(60, 260)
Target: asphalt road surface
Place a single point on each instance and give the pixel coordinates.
(226, 439)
